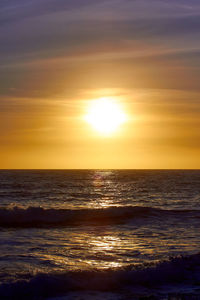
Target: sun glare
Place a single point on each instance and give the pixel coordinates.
(105, 115)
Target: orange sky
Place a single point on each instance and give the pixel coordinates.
(56, 61)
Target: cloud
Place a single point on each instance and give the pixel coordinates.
(61, 43)
(51, 36)
(90, 9)
(56, 77)
(14, 11)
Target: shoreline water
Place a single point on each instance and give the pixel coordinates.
(177, 276)
(100, 235)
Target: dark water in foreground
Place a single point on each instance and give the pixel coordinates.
(99, 234)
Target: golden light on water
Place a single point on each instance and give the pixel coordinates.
(105, 115)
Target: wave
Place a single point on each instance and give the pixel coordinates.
(175, 273)
(38, 216)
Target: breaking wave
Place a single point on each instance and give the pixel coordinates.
(178, 271)
(38, 216)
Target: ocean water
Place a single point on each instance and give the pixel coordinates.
(99, 234)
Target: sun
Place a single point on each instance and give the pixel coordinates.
(105, 115)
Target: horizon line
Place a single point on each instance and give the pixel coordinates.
(88, 169)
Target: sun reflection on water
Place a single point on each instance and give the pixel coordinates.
(102, 247)
(87, 251)
(104, 185)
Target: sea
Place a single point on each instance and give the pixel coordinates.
(100, 234)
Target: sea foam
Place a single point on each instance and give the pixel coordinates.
(178, 272)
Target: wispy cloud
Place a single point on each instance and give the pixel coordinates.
(48, 45)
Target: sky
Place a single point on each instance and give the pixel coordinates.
(57, 56)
